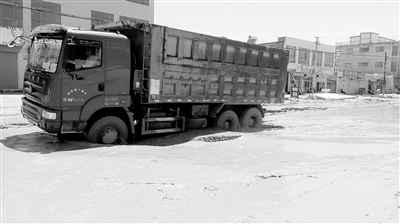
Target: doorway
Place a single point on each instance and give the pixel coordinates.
(307, 86)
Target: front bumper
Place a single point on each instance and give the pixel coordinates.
(33, 113)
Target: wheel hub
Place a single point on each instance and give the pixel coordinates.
(251, 121)
(227, 125)
(110, 136)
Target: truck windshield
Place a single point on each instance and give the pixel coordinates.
(44, 54)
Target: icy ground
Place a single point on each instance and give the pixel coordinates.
(332, 160)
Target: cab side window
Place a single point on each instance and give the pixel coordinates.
(83, 54)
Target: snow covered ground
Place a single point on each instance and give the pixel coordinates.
(332, 160)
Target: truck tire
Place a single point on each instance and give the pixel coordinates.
(108, 130)
(250, 118)
(227, 120)
(193, 123)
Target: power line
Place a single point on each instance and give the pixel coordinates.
(87, 18)
(49, 11)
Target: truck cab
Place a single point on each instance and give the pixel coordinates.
(72, 74)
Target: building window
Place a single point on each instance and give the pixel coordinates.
(378, 64)
(303, 56)
(393, 66)
(364, 49)
(348, 65)
(11, 15)
(349, 51)
(380, 49)
(328, 60)
(101, 17)
(126, 18)
(292, 53)
(363, 64)
(39, 17)
(143, 2)
(395, 50)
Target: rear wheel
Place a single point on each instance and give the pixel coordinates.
(227, 120)
(250, 118)
(108, 130)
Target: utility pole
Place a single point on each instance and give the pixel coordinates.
(384, 74)
(315, 63)
(314, 84)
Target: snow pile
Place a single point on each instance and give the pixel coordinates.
(392, 95)
(380, 97)
(338, 96)
(327, 96)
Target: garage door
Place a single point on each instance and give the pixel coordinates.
(8, 70)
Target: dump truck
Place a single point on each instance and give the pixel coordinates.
(131, 78)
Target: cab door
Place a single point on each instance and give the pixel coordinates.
(83, 76)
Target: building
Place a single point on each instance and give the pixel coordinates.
(311, 65)
(368, 62)
(19, 17)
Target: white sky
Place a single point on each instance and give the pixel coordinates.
(333, 21)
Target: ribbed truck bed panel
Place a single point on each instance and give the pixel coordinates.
(191, 67)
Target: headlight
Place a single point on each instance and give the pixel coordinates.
(49, 115)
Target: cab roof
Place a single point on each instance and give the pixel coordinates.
(62, 29)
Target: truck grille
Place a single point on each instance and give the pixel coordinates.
(34, 85)
(30, 110)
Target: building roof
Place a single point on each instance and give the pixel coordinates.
(296, 42)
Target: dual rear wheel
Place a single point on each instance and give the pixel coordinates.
(250, 118)
(229, 120)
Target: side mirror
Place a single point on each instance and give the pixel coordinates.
(11, 44)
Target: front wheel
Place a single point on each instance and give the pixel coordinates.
(251, 118)
(227, 120)
(108, 130)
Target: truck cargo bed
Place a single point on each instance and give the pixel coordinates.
(191, 67)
